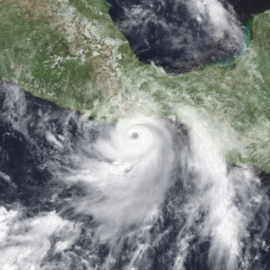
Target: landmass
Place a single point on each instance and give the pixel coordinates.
(70, 53)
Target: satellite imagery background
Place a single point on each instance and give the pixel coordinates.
(134, 134)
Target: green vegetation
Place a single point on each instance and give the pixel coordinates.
(69, 52)
(54, 57)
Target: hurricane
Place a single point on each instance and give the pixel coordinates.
(124, 180)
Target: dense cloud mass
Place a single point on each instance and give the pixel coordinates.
(143, 194)
(181, 35)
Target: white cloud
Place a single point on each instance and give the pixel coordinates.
(229, 201)
(25, 242)
(181, 33)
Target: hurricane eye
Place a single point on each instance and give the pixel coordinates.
(135, 135)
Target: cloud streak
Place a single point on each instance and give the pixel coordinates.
(180, 35)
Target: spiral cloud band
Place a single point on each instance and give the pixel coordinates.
(128, 182)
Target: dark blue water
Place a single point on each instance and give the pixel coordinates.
(179, 35)
(245, 9)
